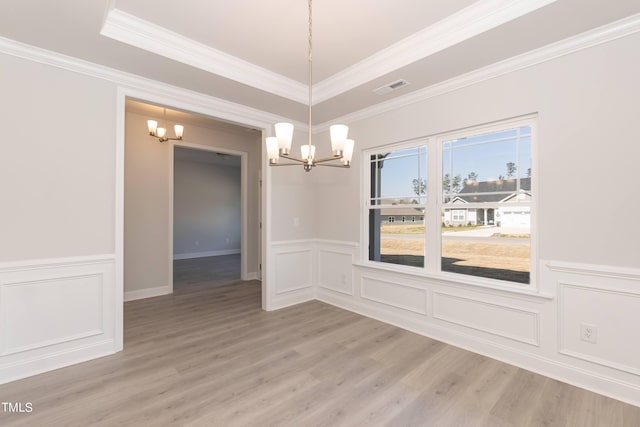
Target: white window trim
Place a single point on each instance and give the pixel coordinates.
(434, 206)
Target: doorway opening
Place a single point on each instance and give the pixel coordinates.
(207, 212)
(167, 216)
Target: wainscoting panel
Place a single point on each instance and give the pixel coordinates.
(504, 321)
(54, 313)
(537, 330)
(613, 316)
(293, 270)
(291, 273)
(47, 312)
(335, 266)
(394, 294)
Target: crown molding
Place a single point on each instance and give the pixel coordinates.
(600, 35)
(137, 32)
(226, 110)
(465, 24)
(475, 19)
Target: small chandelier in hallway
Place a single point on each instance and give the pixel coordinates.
(161, 132)
(280, 145)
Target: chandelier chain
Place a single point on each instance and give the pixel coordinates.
(310, 67)
(280, 145)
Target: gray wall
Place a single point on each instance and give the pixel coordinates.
(57, 170)
(206, 212)
(587, 149)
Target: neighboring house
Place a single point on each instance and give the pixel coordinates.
(401, 215)
(501, 192)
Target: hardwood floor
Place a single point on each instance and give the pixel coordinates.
(195, 274)
(213, 358)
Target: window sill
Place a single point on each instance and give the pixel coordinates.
(455, 279)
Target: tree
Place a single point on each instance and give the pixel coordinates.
(419, 186)
(472, 177)
(511, 169)
(450, 185)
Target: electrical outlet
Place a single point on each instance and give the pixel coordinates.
(589, 333)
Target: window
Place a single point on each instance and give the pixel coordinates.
(470, 203)
(397, 188)
(458, 215)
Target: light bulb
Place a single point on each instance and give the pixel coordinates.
(153, 125)
(338, 137)
(272, 149)
(284, 133)
(306, 154)
(348, 152)
(178, 129)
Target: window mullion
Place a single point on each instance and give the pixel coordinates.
(432, 212)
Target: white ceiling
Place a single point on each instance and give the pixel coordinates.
(254, 52)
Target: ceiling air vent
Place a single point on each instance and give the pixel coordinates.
(391, 86)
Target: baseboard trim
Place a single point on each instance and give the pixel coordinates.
(146, 293)
(206, 254)
(51, 361)
(292, 298)
(252, 276)
(598, 383)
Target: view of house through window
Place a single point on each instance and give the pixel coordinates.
(484, 205)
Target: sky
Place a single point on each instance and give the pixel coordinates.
(486, 155)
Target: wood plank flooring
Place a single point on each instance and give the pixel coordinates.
(195, 274)
(213, 358)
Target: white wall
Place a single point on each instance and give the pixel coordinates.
(293, 198)
(588, 261)
(148, 205)
(57, 218)
(206, 213)
(292, 224)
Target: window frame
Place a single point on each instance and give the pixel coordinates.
(434, 204)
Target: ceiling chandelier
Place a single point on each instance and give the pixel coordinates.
(280, 145)
(161, 133)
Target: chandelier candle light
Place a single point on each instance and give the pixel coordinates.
(280, 145)
(161, 133)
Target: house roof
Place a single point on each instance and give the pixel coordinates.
(403, 211)
(492, 191)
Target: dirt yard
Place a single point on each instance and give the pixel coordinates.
(485, 259)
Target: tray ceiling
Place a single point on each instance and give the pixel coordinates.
(254, 52)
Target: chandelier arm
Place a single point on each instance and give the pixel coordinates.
(327, 159)
(286, 156)
(329, 165)
(285, 164)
